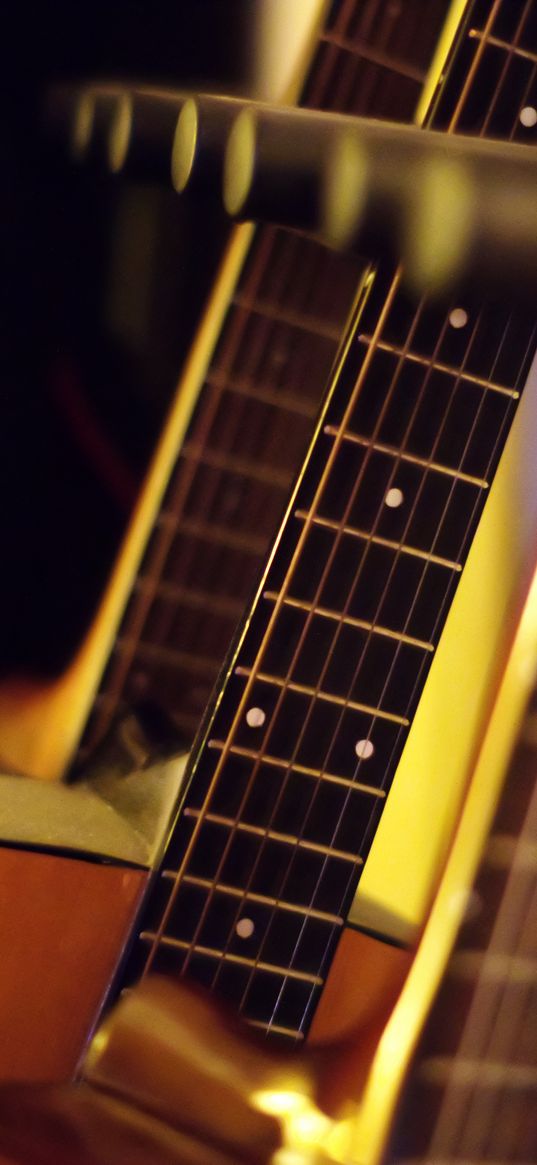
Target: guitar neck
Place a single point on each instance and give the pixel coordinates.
(291, 773)
(258, 403)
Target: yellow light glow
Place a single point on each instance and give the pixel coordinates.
(279, 1102)
(307, 1133)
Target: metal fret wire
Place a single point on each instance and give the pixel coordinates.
(465, 1125)
(345, 16)
(483, 1130)
(417, 682)
(193, 939)
(357, 669)
(159, 553)
(281, 697)
(183, 482)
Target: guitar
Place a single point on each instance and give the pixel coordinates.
(167, 947)
(171, 1079)
(242, 446)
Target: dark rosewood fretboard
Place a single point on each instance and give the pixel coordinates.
(291, 774)
(257, 407)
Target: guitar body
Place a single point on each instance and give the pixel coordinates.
(81, 913)
(63, 922)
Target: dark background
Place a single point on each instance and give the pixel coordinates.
(81, 399)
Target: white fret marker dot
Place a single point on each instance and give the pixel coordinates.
(394, 498)
(255, 717)
(528, 116)
(245, 928)
(458, 318)
(364, 749)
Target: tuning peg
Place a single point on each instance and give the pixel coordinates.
(200, 143)
(275, 162)
(94, 108)
(453, 208)
(141, 133)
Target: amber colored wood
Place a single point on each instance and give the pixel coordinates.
(363, 984)
(364, 980)
(63, 925)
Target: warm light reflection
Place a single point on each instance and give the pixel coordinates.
(309, 1135)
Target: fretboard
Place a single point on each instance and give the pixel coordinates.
(262, 393)
(473, 1094)
(298, 753)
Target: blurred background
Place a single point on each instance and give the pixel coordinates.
(102, 287)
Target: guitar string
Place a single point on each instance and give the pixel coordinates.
(465, 1124)
(160, 930)
(511, 135)
(178, 492)
(347, 79)
(202, 511)
(161, 633)
(258, 424)
(193, 940)
(292, 269)
(264, 332)
(146, 593)
(162, 629)
(349, 794)
(477, 1126)
(159, 552)
(492, 459)
(307, 717)
(216, 482)
(380, 704)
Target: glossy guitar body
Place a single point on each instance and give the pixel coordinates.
(63, 923)
(351, 996)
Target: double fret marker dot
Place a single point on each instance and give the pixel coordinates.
(528, 116)
(245, 928)
(255, 717)
(394, 498)
(458, 318)
(364, 749)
